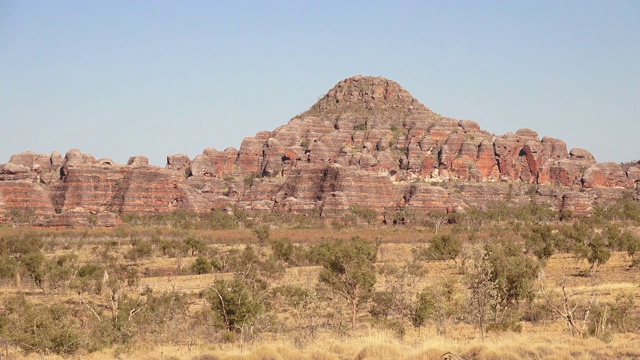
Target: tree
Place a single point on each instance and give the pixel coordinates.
(60, 271)
(89, 278)
(439, 302)
(20, 254)
(442, 247)
(631, 244)
(262, 232)
(140, 249)
(201, 265)
(395, 303)
(437, 219)
(512, 272)
(235, 302)
(196, 246)
(482, 291)
(541, 242)
(587, 244)
(256, 268)
(598, 252)
(283, 250)
(499, 276)
(533, 213)
(348, 269)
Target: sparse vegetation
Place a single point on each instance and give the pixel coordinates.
(249, 280)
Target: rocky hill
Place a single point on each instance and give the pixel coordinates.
(366, 143)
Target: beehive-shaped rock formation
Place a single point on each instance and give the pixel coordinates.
(366, 143)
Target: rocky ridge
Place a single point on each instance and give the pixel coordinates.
(366, 143)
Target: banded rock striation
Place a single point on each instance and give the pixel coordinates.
(366, 143)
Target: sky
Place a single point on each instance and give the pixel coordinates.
(122, 78)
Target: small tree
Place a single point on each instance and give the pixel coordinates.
(236, 304)
(140, 249)
(482, 291)
(498, 277)
(587, 244)
(366, 215)
(21, 254)
(262, 232)
(394, 304)
(598, 252)
(201, 265)
(348, 269)
(440, 303)
(513, 274)
(541, 242)
(283, 249)
(442, 247)
(631, 244)
(196, 246)
(437, 219)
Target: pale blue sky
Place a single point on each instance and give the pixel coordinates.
(123, 78)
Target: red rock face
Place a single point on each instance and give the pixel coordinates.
(425, 197)
(366, 143)
(214, 163)
(15, 195)
(577, 203)
(554, 148)
(346, 187)
(507, 150)
(633, 173)
(123, 189)
(606, 175)
(533, 155)
(487, 164)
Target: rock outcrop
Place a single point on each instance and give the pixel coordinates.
(366, 143)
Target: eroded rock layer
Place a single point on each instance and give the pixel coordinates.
(366, 143)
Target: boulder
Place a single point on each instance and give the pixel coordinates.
(527, 133)
(214, 163)
(12, 169)
(582, 155)
(138, 161)
(178, 162)
(605, 175)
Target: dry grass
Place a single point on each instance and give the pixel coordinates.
(547, 340)
(534, 345)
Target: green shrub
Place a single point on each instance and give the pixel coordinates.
(201, 265)
(541, 242)
(444, 247)
(89, 278)
(140, 249)
(364, 215)
(235, 303)
(196, 246)
(59, 271)
(348, 270)
(262, 232)
(173, 247)
(40, 328)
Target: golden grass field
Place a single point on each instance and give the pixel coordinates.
(545, 340)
